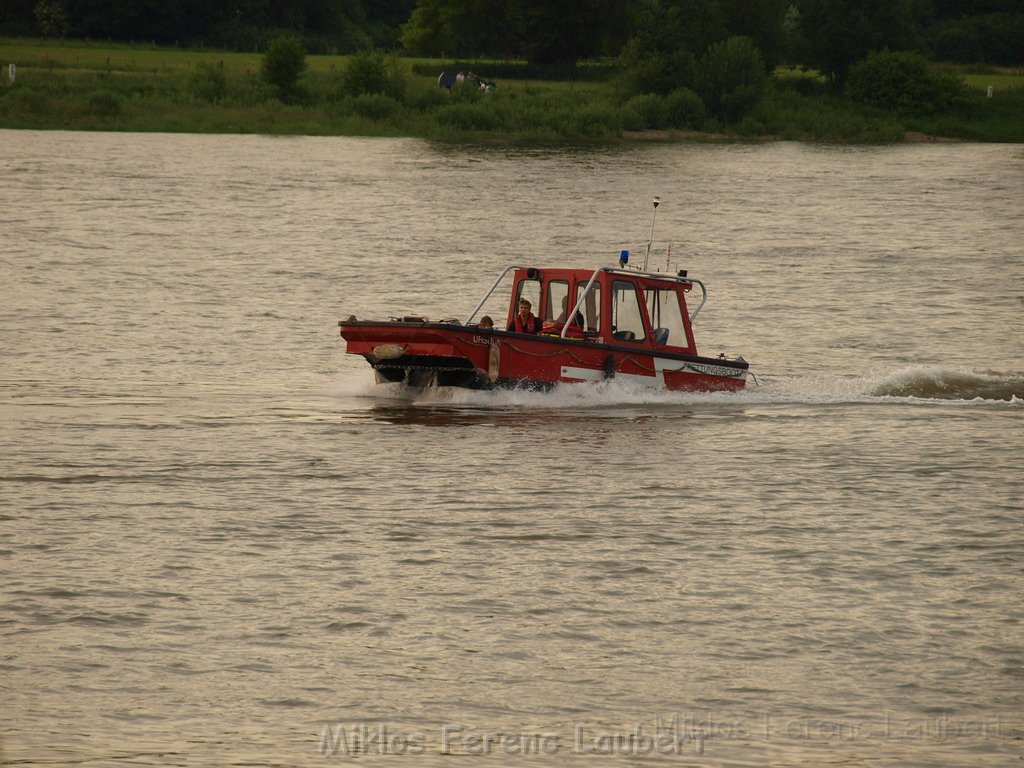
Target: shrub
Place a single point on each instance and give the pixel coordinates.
(684, 109)
(467, 91)
(376, 106)
(283, 64)
(731, 78)
(902, 82)
(652, 71)
(469, 117)
(650, 108)
(22, 99)
(423, 97)
(600, 119)
(373, 72)
(207, 82)
(104, 104)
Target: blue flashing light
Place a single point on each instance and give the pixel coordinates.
(623, 258)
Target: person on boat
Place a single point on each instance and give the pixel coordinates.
(485, 322)
(577, 319)
(524, 321)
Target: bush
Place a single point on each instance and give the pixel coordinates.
(731, 78)
(684, 109)
(902, 82)
(425, 97)
(373, 72)
(104, 104)
(653, 71)
(469, 117)
(283, 64)
(467, 91)
(599, 120)
(376, 106)
(22, 99)
(207, 82)
(645, 111)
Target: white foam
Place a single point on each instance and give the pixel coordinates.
(923, 386)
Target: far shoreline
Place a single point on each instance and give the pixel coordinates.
(89, 86)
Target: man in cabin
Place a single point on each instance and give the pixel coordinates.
(577, 319)
(524, 321)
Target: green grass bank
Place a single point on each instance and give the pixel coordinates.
(78, 85)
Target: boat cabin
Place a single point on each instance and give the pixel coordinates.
(610, 305)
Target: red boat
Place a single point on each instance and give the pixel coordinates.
(623, 324)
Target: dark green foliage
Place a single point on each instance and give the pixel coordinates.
(996, 38)
(786, 114)
(684, 109)
(837, 33)
(52, 17)
(655, 71)
(565, 31)
(763, 21)
(283, 63)
(465, 116)
(672, 34)
(904, 83)
(373, 72)
(459, 27)
(597, 120)
(376, 106)
(207, 82)
(104, 104)
(24, 100)
(385, 18)
(425, 97)
(669, 37)
(645, 111)
(730, 78)
(545, 32)
(468, 91)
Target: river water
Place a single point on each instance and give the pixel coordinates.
(222, 544)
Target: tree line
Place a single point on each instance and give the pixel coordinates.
(324, 26)
(657, 39)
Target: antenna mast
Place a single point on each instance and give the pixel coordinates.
(657, 202)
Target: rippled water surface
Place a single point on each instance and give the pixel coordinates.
(222, 544)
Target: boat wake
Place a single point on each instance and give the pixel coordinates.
(911, 385)
(942, 384)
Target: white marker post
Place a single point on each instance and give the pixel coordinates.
(990, 91)
(10, 73)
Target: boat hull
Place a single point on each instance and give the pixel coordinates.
(447, 354)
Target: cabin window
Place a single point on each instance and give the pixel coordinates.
(591, 309)
(666, 317)
(558, 297)
(627, 320)
(529, 290)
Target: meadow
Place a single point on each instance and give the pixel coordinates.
(81, 85)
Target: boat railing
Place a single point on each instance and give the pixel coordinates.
(488, 294)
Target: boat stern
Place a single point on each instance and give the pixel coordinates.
(413, 352)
